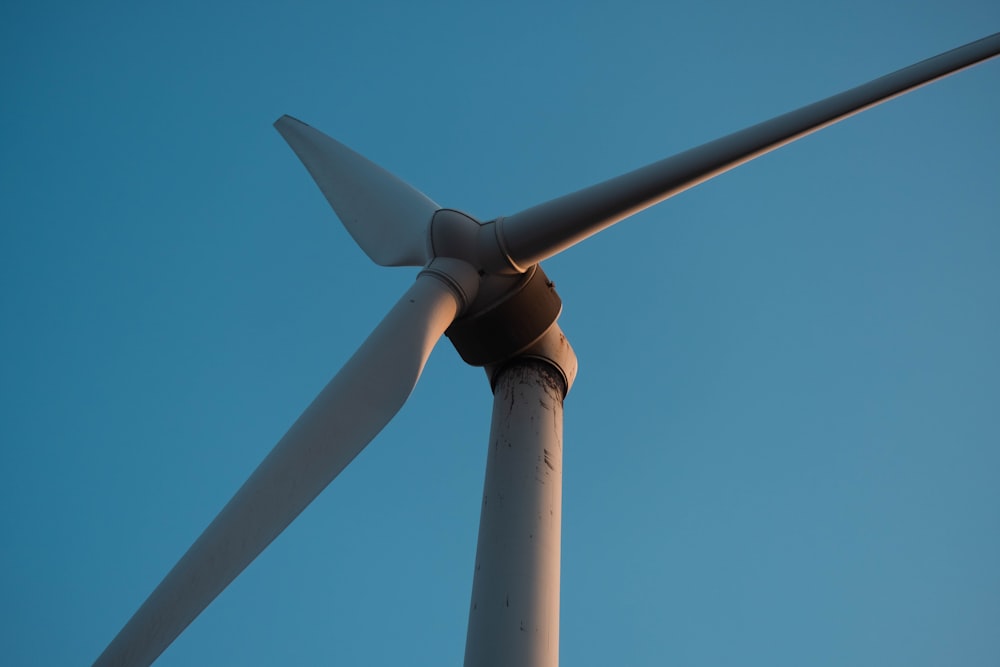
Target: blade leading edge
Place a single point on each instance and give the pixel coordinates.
(357, 403)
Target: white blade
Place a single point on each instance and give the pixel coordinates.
(357, 403)
(387, 217)
(547, 229)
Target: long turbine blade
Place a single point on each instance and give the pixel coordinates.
(357, 403)
(542, 231)
(386, 216)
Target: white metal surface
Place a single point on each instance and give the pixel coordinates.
(387, 217)
(514, 612)
(357, 403)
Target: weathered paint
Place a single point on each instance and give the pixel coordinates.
(514, 612)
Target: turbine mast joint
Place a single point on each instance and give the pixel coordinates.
(511, 314)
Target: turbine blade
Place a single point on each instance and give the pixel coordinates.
(542, 231)
(387, 217)
(357, 403)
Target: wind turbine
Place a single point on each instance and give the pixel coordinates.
(481, 285)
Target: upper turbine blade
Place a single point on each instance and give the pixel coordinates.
(357, 403)
(386, 216)
(547, 229)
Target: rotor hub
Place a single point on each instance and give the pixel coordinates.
(513, 307)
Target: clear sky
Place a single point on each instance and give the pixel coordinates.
(783, 447)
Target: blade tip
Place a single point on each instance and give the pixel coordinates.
(286, 119)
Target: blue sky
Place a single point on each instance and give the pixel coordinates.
(784, 442)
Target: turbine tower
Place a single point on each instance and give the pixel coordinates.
(481, 285)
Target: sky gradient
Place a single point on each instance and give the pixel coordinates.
(783, 445)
